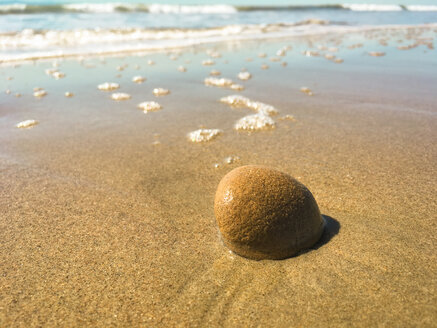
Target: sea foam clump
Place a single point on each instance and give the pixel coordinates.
(160, 92)
(149, 106)
(203, 135)
(39, 93)
(120, 96)
(244, 76)
(244, 102)
(259, 121)
(27, 124)
(108, 86)
(218, 82)
(255, 122)
(138, 79)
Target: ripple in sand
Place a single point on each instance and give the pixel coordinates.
(138, 79)
(149, 106)
(40, 93)
(204, 135)
(68, 94)
(118, 96)
(215, 72)
(255, 122)
(208, 62)
(216, 82)
(376, 53)
(182, 69)
(108, 86)
(244, 76)
(27, 124)
(160, 92)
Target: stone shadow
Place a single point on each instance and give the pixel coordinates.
(332, 228)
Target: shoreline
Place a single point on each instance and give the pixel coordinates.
(324, 31)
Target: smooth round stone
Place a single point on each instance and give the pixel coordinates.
(263, 213)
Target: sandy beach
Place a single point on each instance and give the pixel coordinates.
(107, 213)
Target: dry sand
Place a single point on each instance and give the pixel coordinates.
(101, 227)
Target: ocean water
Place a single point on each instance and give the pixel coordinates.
(44, 29)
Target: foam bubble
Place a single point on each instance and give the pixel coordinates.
(204, 135)
(58, 75)
(26, 124)
(149, 106)
(160, 92)
(265, 66)
(244, 76)
(235, 100)
(208, 62)
(138, 79)
(288, 117)
(241, 101)
(310, 53)
(218, 82)
(68, 94)
(307, 91)
(215, 72)
(237, 87)
(376, 53)
(255, 122)
(150, 62)
(262, 55)
(182, 69)
(108, 86)
(231, 159)
(118, 96)
(40, 93)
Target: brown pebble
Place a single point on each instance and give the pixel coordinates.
(263, 213)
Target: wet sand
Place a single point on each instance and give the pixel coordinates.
(101, 225)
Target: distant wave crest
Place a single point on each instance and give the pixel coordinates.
(194, 9)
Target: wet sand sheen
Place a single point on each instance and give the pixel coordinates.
(102, 227)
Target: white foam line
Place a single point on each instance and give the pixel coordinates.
(421, 8)
(371, 7)
(160, 45)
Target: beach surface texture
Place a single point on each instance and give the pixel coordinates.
(109, 166)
